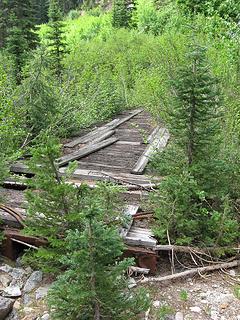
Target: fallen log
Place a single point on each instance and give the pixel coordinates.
(192, 272)
(187, 249)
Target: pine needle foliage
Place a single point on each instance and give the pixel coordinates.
(122, 13)
(194, 196)
(95, 285)
(56, 206)
(197, 107)
(56, 37)
(81, 227)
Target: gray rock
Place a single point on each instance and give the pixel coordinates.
(17, 273)
(12, 292)
(27, 300)
(195, 309)
(33, 281)
(132, 283)
(179, 316)
(232, 273)
(6, 268)
(17, 283)
(214, 315)
(6, 306)
(13, 316)
(5, 279)
(46, 316)
(156, 304)
(42, 292)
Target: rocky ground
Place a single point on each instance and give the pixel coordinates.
(215, 296)
(22, 294)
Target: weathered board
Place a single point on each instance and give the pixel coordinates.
(85, 151)
(109, 126)
(158, 143)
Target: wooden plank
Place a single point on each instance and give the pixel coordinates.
(133, 240)
(106, 176)
(109, 126)
(129, 212)
(85, 151)
(143, 231)
(20, 167)
(86, 138)
(98, 164)
(131, 143)
(103, 136)
(79, 173)
(153, 134)
(8, 220)
(159, 143)
(137, 270)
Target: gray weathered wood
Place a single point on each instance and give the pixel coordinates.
(20, 167)
(140, 237)
(86, 138)
(136, 270)
(9, 220)
(129, 212)
(120, 178)
(103, 136)
(158, 143)
(85, 151)
(131, 143)
(153, 134)
(109, 126)
(136, 240)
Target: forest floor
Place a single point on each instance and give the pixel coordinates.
(211, 297)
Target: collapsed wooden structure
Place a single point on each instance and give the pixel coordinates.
(117, 151)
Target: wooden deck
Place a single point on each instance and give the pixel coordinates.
(116, 151)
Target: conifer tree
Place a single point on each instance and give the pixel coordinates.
(95, 285)
(122, 13)
(41, 11)
(57, 44)
(194, 119)
(21, 32)
(192, 199)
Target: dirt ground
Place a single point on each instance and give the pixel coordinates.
(215, 296)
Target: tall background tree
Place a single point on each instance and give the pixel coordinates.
(20, 34)
(192, 207)
(122, 13)
(56, 37)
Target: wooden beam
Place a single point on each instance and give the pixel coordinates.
(109, 126)
(85, 151)
(20, 167)
(103, 136)
(137, 270)
(129, 212)
(139, 240)
(158, 143)
(153, 134)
